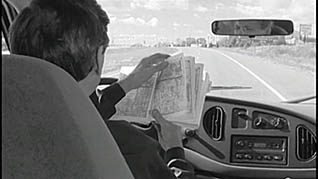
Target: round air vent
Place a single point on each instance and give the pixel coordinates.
(213, 122)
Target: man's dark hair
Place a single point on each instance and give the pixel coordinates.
(67, 33)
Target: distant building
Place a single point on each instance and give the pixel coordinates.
(179, 43)
(189, 41)
(202, 42)
(308, 30)
(163, 44)
(133, 39)
(307, 33)
(212, 39)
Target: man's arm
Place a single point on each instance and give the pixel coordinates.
(147, 67)
(110, 96)
(170, 138)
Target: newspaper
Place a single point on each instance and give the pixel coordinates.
(178, 92)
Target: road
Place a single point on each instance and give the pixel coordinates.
(270, 81)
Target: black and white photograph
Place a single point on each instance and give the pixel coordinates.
(158, 89)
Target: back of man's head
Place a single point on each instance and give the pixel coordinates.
(67, 33)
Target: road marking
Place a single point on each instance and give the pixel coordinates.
(281, 97)
(176, 53)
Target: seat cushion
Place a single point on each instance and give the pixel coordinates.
(50, 129)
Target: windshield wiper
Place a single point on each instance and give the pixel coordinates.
(300, 100)
(212, 88)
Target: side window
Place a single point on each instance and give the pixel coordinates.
(5, 49)
(8, 14)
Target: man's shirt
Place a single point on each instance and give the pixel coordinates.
(105, 101)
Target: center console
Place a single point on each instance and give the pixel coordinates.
(258, 150)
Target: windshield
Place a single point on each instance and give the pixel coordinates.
(264, 68)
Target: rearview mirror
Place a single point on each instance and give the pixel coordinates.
(252, 27)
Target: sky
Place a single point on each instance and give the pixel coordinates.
(172, 19)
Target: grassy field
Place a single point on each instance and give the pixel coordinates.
(117, 57)
(301, 56)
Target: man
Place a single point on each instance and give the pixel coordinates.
(73, 35)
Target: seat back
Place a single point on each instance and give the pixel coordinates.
(50, 129)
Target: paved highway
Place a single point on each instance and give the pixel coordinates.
(270, 81)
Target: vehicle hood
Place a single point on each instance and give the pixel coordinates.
(306, 109)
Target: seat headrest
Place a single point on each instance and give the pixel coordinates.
(50, 129)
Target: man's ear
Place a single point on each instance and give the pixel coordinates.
(100, 59)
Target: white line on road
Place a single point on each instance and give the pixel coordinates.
(176, 53)
(281, 97)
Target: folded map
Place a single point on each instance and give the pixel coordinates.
(178, 92)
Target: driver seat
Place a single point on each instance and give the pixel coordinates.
(50, 129)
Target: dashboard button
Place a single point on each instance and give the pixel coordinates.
(267, 157)
(240, 143)
(250, 144)
(259, 157)
(278, 157)
(239, 156)
(260, 122)
(248, 156)
(279, 123)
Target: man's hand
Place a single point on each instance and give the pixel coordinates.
(169, 134)
(144, 70)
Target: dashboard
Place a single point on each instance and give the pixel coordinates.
(241, 139)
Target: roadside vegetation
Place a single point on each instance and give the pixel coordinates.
(300, 55)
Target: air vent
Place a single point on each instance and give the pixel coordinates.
(213, 122)
(306, 143)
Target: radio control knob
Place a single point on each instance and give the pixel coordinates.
(239, 156)
(250, 144)
(259, 157)
(278, 157)
(260, 122)
(248, 156)
(240, 143)
(279, 123)
(267, 157)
